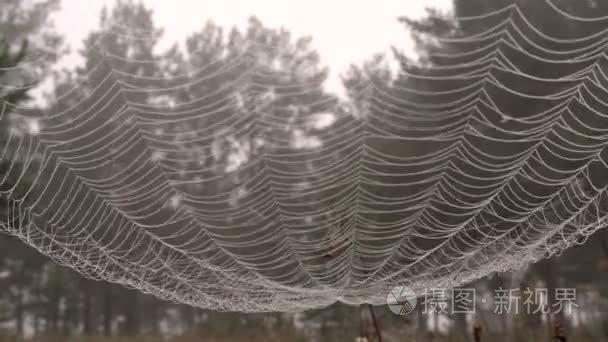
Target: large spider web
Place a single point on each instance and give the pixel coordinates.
(236, 199)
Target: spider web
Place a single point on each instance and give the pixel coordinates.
(237, 198)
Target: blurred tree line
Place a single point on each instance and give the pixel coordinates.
(41, 299)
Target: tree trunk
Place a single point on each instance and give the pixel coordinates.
(131, 313)
(107, 309)
(461, 329)
(19, 305)
(421, 320)
(188, 317)
(531, 321)
(551, 283)
(155, 319)
(87, 310)
(37, 305)
(19, 321)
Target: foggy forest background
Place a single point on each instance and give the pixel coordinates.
(47, 302)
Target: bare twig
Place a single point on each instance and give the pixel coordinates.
(371, 310)
(560, 332)
(477, 332)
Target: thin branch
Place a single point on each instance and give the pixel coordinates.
(371, 310)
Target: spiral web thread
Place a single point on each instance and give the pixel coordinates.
(239, 199)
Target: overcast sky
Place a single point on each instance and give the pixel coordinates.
(343, 31)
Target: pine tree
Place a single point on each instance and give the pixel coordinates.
(25, 57)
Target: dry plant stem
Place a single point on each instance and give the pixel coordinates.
(371, 310)
(477, 332)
